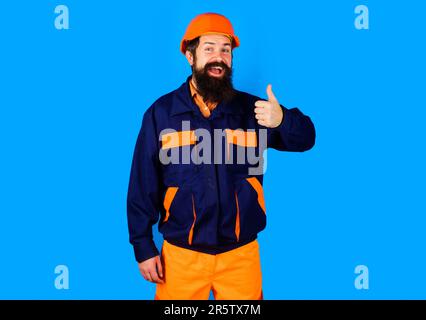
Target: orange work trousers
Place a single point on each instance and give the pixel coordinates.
(191, 275)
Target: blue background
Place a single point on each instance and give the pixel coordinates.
(71, 105)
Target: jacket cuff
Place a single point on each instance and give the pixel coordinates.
(284, 120)
(145, 250)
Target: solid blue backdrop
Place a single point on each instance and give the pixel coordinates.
(71, 105)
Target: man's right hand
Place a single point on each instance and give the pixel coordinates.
(152, 270)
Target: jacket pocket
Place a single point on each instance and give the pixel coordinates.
(250, 217)
(179, 214)
(259, 190)
(168, 199)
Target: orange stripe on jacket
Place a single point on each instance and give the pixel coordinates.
(240, 138)
(168, 199)
(191, 232)
(237, 220)
(259, 189)
(178, 139)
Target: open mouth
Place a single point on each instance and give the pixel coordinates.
(216, 71)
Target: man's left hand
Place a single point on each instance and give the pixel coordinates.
(268, 113)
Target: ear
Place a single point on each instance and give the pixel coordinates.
(189, 57)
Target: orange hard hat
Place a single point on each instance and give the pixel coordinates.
(209, 23)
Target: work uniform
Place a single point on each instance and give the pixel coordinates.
(210, 213)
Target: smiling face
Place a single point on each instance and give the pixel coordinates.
(211, 63)
(212, 51)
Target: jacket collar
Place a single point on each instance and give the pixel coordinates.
(184, 102)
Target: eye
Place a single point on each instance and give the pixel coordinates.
(226, 50)
(208, 49)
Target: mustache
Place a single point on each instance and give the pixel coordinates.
(216, 64)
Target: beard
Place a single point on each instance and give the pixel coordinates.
(214, 89)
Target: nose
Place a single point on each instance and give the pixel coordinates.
(219, 56)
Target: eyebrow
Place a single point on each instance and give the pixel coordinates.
(213, 43)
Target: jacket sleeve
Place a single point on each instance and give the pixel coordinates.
(143, 192)
(295, 133)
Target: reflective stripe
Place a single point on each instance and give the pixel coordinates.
(259, 189)
(178, 139)
(168, 199)
(191, 232)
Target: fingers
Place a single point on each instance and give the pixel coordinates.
(260, 113)
(262, 123)
(159, 267)
(148, 269)
(262, 104)
(155, 278)
(261, 109)
(155, 274)
(152, 276)
(145, 274)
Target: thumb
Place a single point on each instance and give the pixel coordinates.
(159, 266)
(271, 96)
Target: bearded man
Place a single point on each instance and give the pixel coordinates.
(210, 212)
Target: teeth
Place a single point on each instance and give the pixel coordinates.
(219, 68)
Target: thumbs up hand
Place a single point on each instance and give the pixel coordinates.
(268, 113)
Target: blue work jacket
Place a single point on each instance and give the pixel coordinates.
(208, 206)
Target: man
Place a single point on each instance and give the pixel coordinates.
(210, 211)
